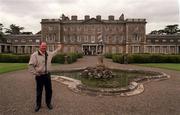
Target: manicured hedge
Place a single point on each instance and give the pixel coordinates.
(72, 57)
(108, 55)
(13, 58)
(59, 58)
(147, 58)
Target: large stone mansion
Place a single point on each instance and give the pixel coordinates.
(92, 36)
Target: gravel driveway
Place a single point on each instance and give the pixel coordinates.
(17, 95)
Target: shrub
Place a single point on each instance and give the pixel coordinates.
(117, 58)
(72, 57)
(147, 58)
(108, 55)
(12, 58)
(59, 58)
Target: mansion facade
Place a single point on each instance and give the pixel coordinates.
(93, 36)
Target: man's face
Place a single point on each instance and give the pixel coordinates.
(43, 47)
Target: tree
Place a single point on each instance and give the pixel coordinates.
(171, 29)
(154, 32)
(1, 33)
(14, 29)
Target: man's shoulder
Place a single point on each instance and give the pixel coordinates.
(35, 53)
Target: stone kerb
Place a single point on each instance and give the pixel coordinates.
(135, 87)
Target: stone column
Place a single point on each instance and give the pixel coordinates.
(169, 50)
(5, 48)
(177, 50)
(153, 49)
(0, 49)
(25, 49)
(18, 49)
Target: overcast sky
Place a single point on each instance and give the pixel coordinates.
(28, 13)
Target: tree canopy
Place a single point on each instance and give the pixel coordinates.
(14, 29)
(1, 33)
(169, 29)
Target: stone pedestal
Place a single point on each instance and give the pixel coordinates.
(100, 60)
(65, 59)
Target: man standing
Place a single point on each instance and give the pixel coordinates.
(39, 65)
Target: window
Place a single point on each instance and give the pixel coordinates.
(50, 28)
(163, 40)
(65, 28)
(64, 38)
(85, 38)
(79, 28)
(78, 39)
(72, 38)
(92, 39)
(15, 40)
(114, 39)
(135, 38)
(171, 40)
(23, 41)
(156, 40)
(37, 41)
(8, 41)
(120, 39)
(149, 41)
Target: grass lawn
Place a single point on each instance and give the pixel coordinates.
(163, 66)
(8, 67)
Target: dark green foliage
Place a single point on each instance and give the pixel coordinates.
(108, 55)
(147, 58)
(12, 58)
(59, 58)
(117, 58)
(72, 57)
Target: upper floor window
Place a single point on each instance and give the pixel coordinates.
(30, 40)
(149, 41)
(85, 38)
(156, 40)
(114, 39)
(37, 41)
(78, 39)
(23, 41)
(163, 40)
(50, 28)
(171, 40)
(8, 41)
(92, 39)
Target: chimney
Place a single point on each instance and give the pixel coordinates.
(98, 17)
(86, 17)
(121, 17)
(111, 17)
(74, 17)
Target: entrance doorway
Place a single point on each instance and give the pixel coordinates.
(92, 49)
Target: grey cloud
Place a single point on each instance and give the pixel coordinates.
(155, 11)
(35, 8)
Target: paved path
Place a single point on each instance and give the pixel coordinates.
(17, 96)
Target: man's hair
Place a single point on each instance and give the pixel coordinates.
(42, 42)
